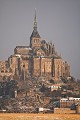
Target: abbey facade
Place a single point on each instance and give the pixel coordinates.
(39, 59)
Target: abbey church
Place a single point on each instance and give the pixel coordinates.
(39, 59)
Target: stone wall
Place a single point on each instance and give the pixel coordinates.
(63, 111)
(57, 68)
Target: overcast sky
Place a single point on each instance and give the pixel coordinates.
(58, 21)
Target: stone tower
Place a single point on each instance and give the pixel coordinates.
(35, 40)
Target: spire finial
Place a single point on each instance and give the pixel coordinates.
(35, 22)
(35, 16)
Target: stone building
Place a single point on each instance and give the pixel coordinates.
(38, 59)
(67, 102)
(4, 69)
(65, 69)
(78, 109)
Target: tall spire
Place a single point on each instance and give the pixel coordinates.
(35, 32)
(35, 22)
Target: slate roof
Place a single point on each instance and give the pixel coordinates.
(35, 34)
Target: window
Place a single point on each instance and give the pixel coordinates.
(2, 71)
(24, 65)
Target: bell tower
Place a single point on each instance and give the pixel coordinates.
(35, 39)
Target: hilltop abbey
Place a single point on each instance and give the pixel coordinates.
(39, 59)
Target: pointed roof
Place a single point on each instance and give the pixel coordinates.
(35, 22)
(35, 32)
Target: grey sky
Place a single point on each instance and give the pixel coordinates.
(58, 21)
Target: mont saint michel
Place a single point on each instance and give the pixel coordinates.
(37, 79)
(39, 59)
